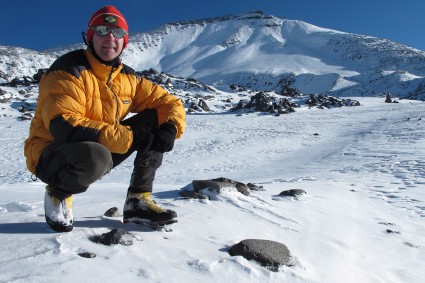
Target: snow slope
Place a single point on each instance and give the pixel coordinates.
(361, 221)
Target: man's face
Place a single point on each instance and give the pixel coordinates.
(107, 47)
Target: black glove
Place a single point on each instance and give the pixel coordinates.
(164, 137)
(142, 139)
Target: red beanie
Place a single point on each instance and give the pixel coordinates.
(108, 16)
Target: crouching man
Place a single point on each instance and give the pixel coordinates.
(80, 131)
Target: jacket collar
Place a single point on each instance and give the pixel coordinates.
(100, 70)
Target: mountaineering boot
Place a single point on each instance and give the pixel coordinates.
(58, 212)
(140, 208)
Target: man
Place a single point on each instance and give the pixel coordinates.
(79, 133)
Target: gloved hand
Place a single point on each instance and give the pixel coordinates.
(142, 139)
(164, 137)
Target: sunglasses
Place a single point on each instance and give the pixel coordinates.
(105, 30)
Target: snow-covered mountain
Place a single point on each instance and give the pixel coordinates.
(260, 52)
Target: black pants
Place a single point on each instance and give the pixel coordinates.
(70, 168)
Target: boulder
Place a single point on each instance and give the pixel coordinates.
(220, 183)
(114, 237)
(112, 212)
(267, 253)
(292, 193)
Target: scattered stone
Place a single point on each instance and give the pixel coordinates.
(292, 193)
(112, 212)
(87, 254)
(411, 245)
(25, 117)
(5, 100)
(270, 254)
(114, 237)
(192, 194)
(386, 223)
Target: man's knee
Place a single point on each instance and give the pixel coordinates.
(95, 161)
(74, 166)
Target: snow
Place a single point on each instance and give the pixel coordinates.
(363, 169)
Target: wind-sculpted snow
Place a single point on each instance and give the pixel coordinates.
(17, 206)
(360, 219)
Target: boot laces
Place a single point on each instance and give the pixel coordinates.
(146, 200)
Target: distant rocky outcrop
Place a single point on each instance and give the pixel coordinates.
(323, 101)
(264, 102)
(389, 98)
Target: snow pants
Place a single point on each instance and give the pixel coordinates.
(70, 168)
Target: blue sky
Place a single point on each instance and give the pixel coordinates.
(45, 24)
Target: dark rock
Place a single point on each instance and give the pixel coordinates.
(5, 100)
(112, 212)
(261, 102)
(25, 117)
(254, 187)
(114, 237)
(201, 106)
(25, 81)
(38, 75)
(87, 255)
(323, 101)
(204, 106)
(270, 254)
(292, 193)
(289, 91)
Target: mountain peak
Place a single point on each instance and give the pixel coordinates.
(245, 16)
(259, 51)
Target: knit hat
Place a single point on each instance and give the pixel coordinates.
(108, 16)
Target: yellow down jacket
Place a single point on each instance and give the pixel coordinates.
(81, 99)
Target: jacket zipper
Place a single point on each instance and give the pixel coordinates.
(116, 96)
